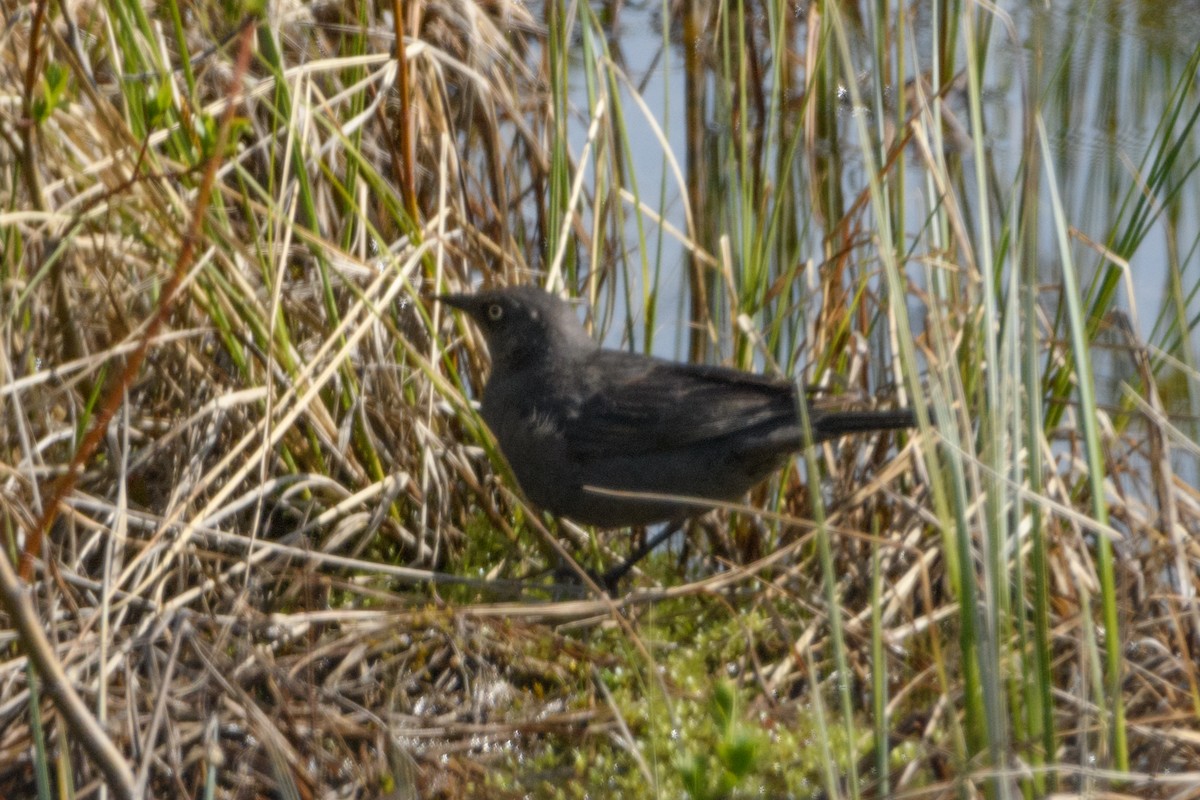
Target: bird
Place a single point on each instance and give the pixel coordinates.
(614, 439)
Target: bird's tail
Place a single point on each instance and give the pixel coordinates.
(830, 425)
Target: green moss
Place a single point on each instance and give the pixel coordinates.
(699, 732)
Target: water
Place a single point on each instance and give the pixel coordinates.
(1102, 76)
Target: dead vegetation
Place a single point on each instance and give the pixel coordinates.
(291, 565)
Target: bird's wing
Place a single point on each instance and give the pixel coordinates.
(636, 405)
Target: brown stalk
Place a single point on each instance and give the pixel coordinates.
(14, 595)
(64, 485)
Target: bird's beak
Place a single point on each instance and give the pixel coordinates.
(461, 301)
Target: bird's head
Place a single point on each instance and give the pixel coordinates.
(523, 324)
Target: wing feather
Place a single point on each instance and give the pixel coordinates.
(641, 406)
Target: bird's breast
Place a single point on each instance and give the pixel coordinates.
(532, 434)
(527, 422)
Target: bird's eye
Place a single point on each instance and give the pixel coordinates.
(495, 312)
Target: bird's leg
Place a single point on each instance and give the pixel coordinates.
(566, 582)
(611, 578)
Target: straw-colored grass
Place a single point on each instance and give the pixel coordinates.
(260, 544)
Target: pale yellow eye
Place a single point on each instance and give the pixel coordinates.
(495, 312)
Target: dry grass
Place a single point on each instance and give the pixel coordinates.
(291, 564)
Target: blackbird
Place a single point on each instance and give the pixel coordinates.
(572, 417)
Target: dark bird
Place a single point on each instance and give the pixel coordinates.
(571, 417)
